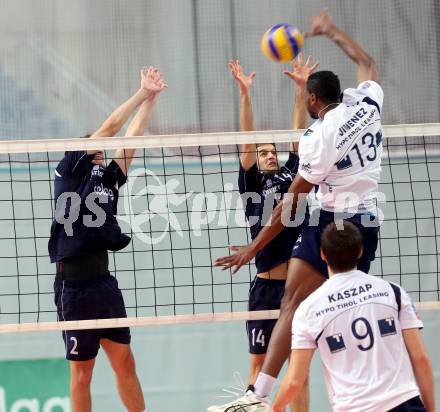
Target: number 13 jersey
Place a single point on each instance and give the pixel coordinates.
(342, 153)
(356, 322)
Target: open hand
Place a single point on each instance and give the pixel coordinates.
(152, 80)
(322, 24)
(243, 255)
(301, 72)
(244, 82)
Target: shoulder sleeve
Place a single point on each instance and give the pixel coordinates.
(302, 330)
(373, 91)
(121, 178)
(292, 163)
(248, 179)
(73, 163)
(408, 316)
(315, 158)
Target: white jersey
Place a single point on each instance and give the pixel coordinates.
(356, 321)
(342, 153)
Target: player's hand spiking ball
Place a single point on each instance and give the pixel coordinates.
(244, 82)
(152, 80)
(301, 72)
(322, 24)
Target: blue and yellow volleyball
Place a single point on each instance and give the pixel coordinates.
(282, 42)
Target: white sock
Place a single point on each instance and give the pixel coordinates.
(264, 385)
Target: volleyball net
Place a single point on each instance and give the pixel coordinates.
(182, 209)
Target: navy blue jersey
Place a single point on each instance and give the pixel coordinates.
(270, 187)
(80, 188)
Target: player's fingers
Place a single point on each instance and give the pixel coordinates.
(237, 268)
(300, 58)
(234, 248)
(315, 66)
(289, 74)
(252, 75)
(222, 261)
(228, 266)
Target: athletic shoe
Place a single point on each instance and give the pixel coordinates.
(247, 403)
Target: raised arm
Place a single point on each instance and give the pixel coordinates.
(152, 83)
(118, 118)
(248, 155)
(421, 366)
(323, 25)
(299, 74)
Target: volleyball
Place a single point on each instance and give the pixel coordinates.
(282, 42)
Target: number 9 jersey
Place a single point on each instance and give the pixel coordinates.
(356, 321)
(342, 152)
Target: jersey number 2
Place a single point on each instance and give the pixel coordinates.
(73, 351)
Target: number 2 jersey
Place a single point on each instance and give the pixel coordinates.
(342, 153)
(356, 322)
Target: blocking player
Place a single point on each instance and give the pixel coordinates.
(341, 154)
(367, 333)
(86, 188)
(260, 174)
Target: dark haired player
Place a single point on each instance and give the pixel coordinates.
(367, 333)
(87, 190)
(341, 154)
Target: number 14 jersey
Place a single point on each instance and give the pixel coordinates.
(342, 153)
(356, 322)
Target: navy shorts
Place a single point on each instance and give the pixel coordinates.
(412, 405)
(308, 245)
(264, 294)
(99, 298)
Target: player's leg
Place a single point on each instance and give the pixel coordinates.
(122, 361)
(80, 379)
(300, 404)
(74, 302)
(81, 350)
(116, 343)
(256, 363)
(302, 280)
(264, 294)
